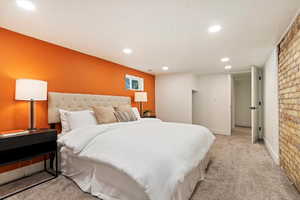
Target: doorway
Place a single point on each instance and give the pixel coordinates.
(241, 103)
(194, 102)
(247, 104)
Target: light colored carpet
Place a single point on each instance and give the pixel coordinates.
(243, 171)
(239, 171)
(240, 129)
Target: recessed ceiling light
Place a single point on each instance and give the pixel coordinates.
(165, 68)
(227, 67)
(214, 28)
(226, 59)
(127, 51)
(26, 4)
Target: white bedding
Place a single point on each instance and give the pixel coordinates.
(157, 155)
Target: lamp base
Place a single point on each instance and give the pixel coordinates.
(141, 109)
(31, 129)
(31, 116)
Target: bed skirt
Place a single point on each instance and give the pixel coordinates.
(107, 183)
(186, 189)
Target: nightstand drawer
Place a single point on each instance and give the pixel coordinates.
(27, 140)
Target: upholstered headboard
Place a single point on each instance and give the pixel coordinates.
(75, 102)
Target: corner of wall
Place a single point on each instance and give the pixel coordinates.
(274, 156)
(220, 132)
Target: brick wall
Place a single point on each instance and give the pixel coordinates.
(289, 102)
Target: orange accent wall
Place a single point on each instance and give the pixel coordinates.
(64, 69)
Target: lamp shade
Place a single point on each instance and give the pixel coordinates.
(28, 89)
(140, 97)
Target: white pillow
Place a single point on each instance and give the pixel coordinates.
(80, 119)
(76, 119)
(136, 113)
(65, 127)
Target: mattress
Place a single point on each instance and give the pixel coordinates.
(109, 183)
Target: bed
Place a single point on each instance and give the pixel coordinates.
(142, 160)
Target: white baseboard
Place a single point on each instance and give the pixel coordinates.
(21, 172)
(219, 132)
(274, 156)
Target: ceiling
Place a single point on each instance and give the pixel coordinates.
(171, 33)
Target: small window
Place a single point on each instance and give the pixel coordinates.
(134, 83)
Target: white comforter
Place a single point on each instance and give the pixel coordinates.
(156, 154)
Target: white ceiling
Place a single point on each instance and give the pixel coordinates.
(169, 33)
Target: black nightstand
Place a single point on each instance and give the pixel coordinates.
(152, 116)
(41, 142)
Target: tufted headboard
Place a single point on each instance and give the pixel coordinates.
(74, 102)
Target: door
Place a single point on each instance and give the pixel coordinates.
(256, 105)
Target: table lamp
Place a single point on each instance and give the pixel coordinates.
(31, 90)
(140, 97)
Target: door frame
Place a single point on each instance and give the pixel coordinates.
(256, 104)
(232, 96)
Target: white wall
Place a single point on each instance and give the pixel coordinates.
(212, 103)
(242, 93)
(173, 97)
(21, 172)
(271, 123)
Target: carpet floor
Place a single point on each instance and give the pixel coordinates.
(238, 171)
